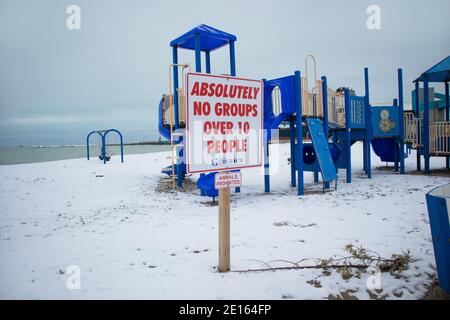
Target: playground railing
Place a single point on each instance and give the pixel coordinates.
(413, 130)
(319, 99)
(336, 109)
(168, 108)
(409, 127)
(357, 112)
(440, 138)
(312, 105)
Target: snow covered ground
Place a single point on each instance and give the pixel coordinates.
(132, 241)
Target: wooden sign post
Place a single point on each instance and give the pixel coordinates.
(223, 181)
(224, 230)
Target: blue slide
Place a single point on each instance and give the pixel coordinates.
(165, 132)
(286, 86)
(385, 149)
(323, 152)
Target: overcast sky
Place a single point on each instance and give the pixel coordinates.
(58, 84)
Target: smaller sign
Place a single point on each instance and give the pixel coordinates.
(224, 180)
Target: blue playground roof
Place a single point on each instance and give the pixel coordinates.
(211, 38)
(439, 73)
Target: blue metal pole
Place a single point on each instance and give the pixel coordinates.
(401, 121)
(104, 148)
(419, 131)
(417, 98)
(368, 117)
(232, 59)
(208, 61)
(266, 163)
(87, 145)
(365, 137)
(426, 126)
(365, 126)
(299, 124)
(447, 118)
(366, 84)
(325, 113)
(325, 105)
(198, 53)
(121, 146)
(447, 103)
(397, 146)
(292, 142)
(348, 142)
(266, 152)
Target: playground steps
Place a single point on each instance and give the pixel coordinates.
(321, 147)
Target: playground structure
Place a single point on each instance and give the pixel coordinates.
(103, 136)
(427, 131)
(202, 39)
(289, 103)
(344, 117)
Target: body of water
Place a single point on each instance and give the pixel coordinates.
(16, 155)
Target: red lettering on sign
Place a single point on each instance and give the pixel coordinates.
(226, 146)
(224, 91)
(202, 108)
(211, 89)
(245, 95)
(227, 109)
(235, 110)
(218, 127)
(195, 89)
(255, 92)
(204, 89)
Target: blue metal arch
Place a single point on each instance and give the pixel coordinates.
(121, 141)
(87, 141)
(103, 135)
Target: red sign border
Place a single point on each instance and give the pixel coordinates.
(187, 123)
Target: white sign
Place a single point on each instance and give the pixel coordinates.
(224, 123)
(224, 180)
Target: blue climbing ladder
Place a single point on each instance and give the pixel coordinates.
(320, 142)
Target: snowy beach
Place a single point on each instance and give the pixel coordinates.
(133, 239)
